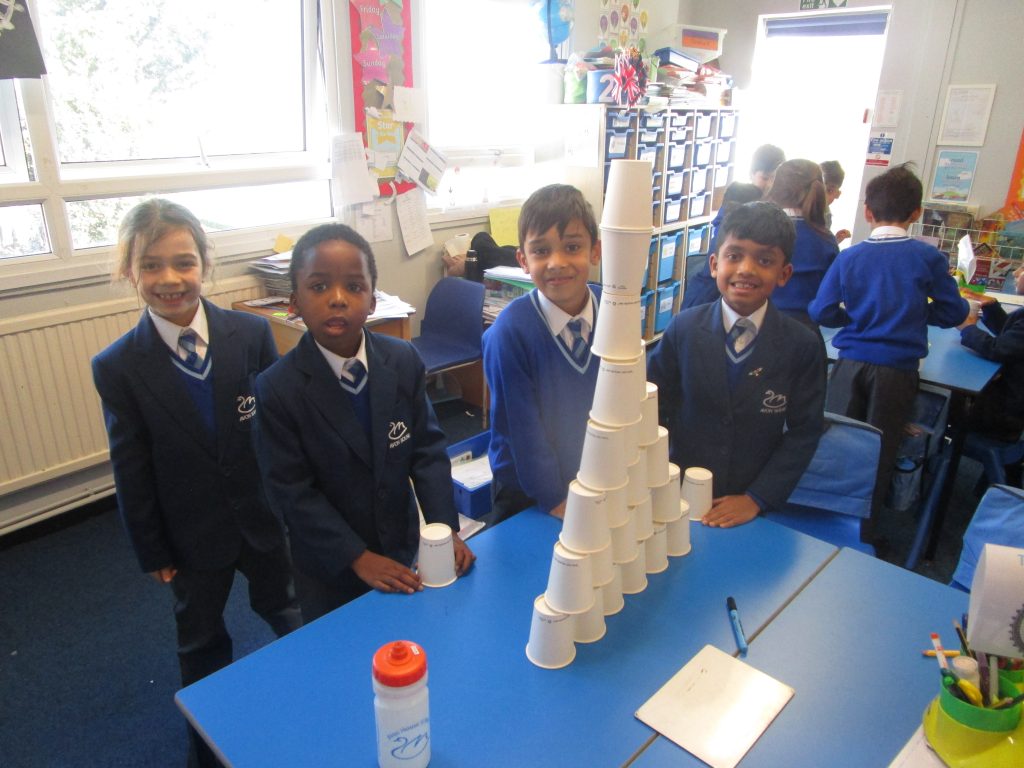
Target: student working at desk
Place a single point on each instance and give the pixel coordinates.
(537, 356)
(343, 424)
(883, 293)
(999, 411)
(741, 386)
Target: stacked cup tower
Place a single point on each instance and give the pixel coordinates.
(624, 515)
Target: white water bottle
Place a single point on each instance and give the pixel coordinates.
(401, 705)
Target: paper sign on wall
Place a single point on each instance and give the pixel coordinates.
(880, 148)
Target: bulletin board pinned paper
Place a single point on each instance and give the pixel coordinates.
(505, 225)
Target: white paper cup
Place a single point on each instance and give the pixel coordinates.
(617, 335)
(602, 464)
(624, 541)
(458, 245)
(643, 518)
(615, 395)
(585, 526)
(436, 560)
(649, 414)
(678, 533)
(634, 573)
(697, 491)
(657, 459)
(616, 506)
(629, 195)
(550, 645)
(656, 549)
(601, 565)
(590, 626)
(665, 498)
(611, 593)
(632, 441)
(637, 489)
(624, 254)
(570, 581)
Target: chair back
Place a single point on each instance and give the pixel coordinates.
(999, 519)
(455, 312)
(841, 475)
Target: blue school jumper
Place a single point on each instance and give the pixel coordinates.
(877, 293)
(341, 492)
(758, 436)
(540, 402)
(813, 254)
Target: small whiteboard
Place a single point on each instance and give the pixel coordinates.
(715, 707)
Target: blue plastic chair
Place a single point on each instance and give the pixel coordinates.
(999, 519)
(994, 455)
(452, 325)
(834, 494)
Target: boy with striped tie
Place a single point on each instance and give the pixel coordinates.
(344, 426)
(741, 387)
(537, 357)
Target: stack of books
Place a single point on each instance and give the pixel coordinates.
(502, 285)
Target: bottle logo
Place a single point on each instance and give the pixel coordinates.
(407, 748)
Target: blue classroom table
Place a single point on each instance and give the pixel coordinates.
(307, 699)
(850, 646)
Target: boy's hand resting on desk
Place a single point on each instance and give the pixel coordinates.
(386, 575)
(729, 511)
(464, 557)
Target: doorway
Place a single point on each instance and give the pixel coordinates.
(813, 86)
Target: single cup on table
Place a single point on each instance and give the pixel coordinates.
(697, 491)
(551, 636)
(436, 560)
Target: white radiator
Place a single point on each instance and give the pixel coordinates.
(53, 446)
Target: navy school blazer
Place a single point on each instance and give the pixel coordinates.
(339, 493)
(760, 437)
(187, 497)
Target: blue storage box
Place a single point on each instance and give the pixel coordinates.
(621, 118)
(695, 239)
(471, 502)
(699, 206)
(649, 153)
(702, 153)
(703, 128)
(674, 182)
(726, 126)
(677, 156)
(646, 299)
(666, 298)
(667, 256)
(674, 209)
(653, 120)
(617, 145)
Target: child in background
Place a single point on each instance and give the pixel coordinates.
(800, 192)
(188, 486)
(537, 357)
(763, 165)
(741, 386)
(344, 425)
(701, 288)
(834, 176)
(877, 293)
(998, 412)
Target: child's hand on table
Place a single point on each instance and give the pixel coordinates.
(386, 575)
(730, 511)
(464, 557)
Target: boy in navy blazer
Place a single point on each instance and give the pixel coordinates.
(344, 425)
(741, 387)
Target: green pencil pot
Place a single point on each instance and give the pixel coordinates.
(966, 736)
(1015, 676)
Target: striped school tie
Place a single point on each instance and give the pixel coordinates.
(353, 376)
(579, 347)
(187, 341)
(739, 340)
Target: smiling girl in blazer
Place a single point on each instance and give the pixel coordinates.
(178, 402)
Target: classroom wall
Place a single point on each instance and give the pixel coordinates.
(931, 44)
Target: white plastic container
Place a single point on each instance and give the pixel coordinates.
(401, 705)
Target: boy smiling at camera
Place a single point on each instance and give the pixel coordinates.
(537, 357)
(741, 387)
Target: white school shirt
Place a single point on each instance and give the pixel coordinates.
(557, 318)
(730, 316)
(170, 332)
(337, 362)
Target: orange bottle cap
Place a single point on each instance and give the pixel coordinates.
(400, 663)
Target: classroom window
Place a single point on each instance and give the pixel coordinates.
(486, 122)
(220, 106)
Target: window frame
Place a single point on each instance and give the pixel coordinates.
(56, 184)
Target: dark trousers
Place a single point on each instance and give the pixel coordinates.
(318, 598)
(204, 645)
(883, 397)
(506, 501)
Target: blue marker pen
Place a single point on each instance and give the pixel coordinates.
(737, 628)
